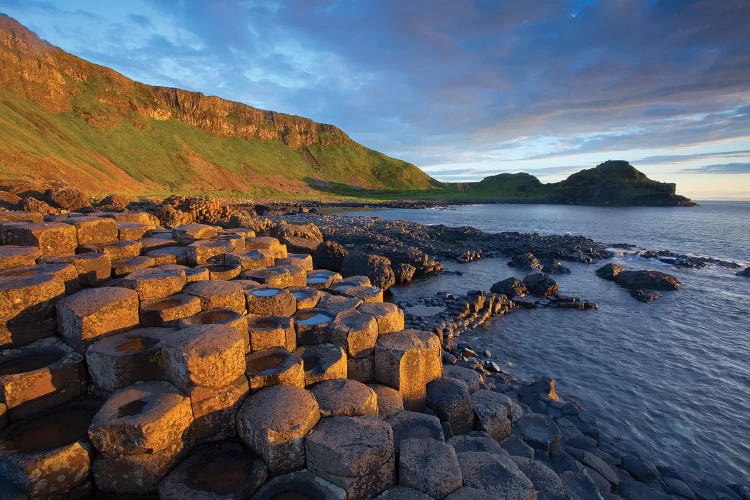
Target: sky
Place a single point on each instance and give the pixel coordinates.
(463, 89)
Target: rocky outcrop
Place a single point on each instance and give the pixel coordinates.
(644, 286)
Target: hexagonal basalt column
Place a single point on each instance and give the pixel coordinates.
(132, 230)
(250, 259)
(223, 272)
(277, 248)
(168, 312)
(311, 326)
(205, 356)
(297, 274)
(451, 401)
(218, 295)
(221, 470)
(407, 361)
(365, 293)
(155, 282)
(12, 256)
(215, 410)
(266, 332)
(389, 316)
(492, 413)
(268, 301)
(345, 397)
(207, 252)
(321, 278)
(355, 332)
(145, 418)
(90, 314)
(411, 424)
(276, 276)
(307, 297)
(123, 267)
(300, 484)
(66, 273)
(93, 268)
(93, 230)
(49, 454)
(225, 317)
(274, 366)
(52, 238)
(302, 260)
(274, 422)
(126, 358)
(168, 256)
(188, 233)
(355, 453)
(40, 376)
(429, 466)
(322, 362)
(335, 304)
(27, 307)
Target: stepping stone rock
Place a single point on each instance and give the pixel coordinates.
(335, 304)
(540, 432)
(266, 332)
(429, 466)
(450, 400)
(225, 317)
(132, 230)
(496, 476)
(51, 238)
(365, 293)
(94, 230)
(118, 250)
(207, 252)
(146, 417)
(168, 311)
(277, 249)
(250, 259)
(300, 484)
(218, 295)
(301, 260)
(471, 378)
(267, 301)
(274, 421)
(355, 332)
(355, 453)
(408, 361)
(389, 400)
(311, 326)
(390, 317)
(87, 315)
(168, 255)
(322, 362)
(188, 233)
(279, 277)
(126, 358)
(207, 356)
(307, 297)
(546, 482)
(215, 410)
(12, 256)
(345, 397)
(274, 366)
(410, 424)
(49, 454)
(222, 470)
(93, 268)
(123, 267)
(492, 413)
(155, 282)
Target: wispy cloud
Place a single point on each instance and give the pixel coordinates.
(725, 168)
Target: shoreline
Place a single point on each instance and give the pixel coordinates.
(523, 425)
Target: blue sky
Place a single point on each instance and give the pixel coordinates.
(462, 89)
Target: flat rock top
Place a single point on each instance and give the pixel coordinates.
(407, 340)
(17, 250)
(90, 300)
(132, 341)
(281, 408)
(209, 288)
(204, 339)
(378, 308)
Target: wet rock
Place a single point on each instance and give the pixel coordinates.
(300, 484)
(609, 271)
(546, 482)
(375, 267)
(510, 287)
(640, 470)
(407, 361)
(410, 424)
(402, 493)
(516, 447)
(649, 280)
(311, 326)
(355, 453)
(274, 366)
(597, 464)
(404, 273)
(745, 272)
(526, 261)
(449, 398)
(492, 413)
(540, 432)
(579, 485)
(495, 476)
(345, 397)
(633, 490)
(429, 466)
(540, 284)
(388, 399)
(680, 488)
(223, 470)
(555, 267)
(274, 421)
(644, 295)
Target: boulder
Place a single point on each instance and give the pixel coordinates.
(525, 261)
(345, 397)
(355, 453)
(609, 271)
(510, 287)
(649, 280)
(429, 466)
(492, 413)
(540, 284)
(90, 314)
(274, 421)
(329, 255)
(745, 272)
(221, 470)
(67, 198)
(375, 267)
(404, 273)
(407, 361)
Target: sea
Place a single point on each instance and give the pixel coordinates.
(668, 381)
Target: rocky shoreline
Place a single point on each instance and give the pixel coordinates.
(203, 351)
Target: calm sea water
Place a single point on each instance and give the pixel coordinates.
(670, 380)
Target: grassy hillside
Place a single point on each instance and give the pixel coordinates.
(64, 118)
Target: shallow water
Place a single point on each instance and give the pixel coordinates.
(670, 380)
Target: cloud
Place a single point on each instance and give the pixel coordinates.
(725, 168)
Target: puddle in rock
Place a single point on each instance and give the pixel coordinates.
(317, 280)
(47, 432)
(136, 343)
(313, 319)
(132, 408)
(265, 292)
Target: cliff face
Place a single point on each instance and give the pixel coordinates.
(60, 112)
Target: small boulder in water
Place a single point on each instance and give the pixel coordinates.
(511, 287)
(526, 261)
(649, 280)
(540, 284)
(609, 271)
(745, 272)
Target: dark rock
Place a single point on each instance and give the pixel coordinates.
(580, 486)
(644, 295)
(540, 432)
(30, 204)
(449, 398)
(516, 447)
(68, 198)
(649, 280)
(375, 267)
(527, 262)
(745, 272)
(546, 482)
(511, 287)
(409, 424)
(475, 441)
(555, 267)
(679, 487)
(540, 284)
(609, 271)
(404, 273)
(640, 470)
(633, 490)
(329, 255)
(497, 476)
